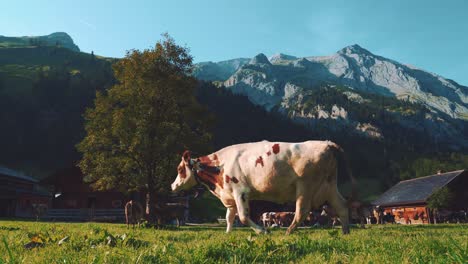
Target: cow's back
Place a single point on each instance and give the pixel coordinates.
(272, 169)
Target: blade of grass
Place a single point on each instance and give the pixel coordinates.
(12, 260)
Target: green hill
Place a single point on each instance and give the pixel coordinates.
(44, 90)
(19, 67)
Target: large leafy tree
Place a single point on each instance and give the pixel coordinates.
(138, 127)
(440, 199)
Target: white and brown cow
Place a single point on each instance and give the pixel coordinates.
(272, 171)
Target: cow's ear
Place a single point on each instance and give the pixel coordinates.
(186, 156)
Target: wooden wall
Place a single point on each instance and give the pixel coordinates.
(409, 214)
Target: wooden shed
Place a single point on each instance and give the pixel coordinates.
(407, 200)
(76, 200)
(21, 195)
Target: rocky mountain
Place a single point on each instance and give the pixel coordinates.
(415, 98)
(211, 71)
(61, 39)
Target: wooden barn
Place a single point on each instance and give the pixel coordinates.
(21, 195)
(407, 200)
(75, 200)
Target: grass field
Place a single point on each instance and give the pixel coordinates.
(114, 243)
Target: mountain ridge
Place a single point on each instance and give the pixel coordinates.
(61, 39)
(357, 67)
(286, 83)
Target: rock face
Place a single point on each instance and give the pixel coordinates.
(282, 81)
(278, 58)
(351, 66)
(62, 39)
(362, 70)
(218, 71)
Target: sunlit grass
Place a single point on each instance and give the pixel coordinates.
(114, 243)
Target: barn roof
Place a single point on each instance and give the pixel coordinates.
(416, 190)
(14, 174)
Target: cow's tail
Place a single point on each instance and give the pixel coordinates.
(344, 171)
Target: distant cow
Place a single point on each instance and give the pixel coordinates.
(168, 212)
(268, 219)
(378, 214)
(329, 214)
(284, 218)
(133, 213)
(360, 213)
(305, 173)
(310, 219)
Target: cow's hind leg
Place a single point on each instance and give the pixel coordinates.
(230, 216)
(242, 203)
(303, 204)
(339, 204)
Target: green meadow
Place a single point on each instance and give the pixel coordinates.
(41, 242)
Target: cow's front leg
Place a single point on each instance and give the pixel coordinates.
(230, 216)
(242, 203)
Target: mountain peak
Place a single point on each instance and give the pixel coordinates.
(63, 39)
(260, 59)
(354, 49)
(280, 57)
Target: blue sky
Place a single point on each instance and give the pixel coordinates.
(432, 35)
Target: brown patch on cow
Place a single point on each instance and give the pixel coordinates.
(211, 179)
(210, 174)
(276, 148)
(268, 153)
(234, 180)
(259, 161)
(207, 161)
(228, 179)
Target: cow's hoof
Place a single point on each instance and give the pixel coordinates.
(346, 231)
(261, 232)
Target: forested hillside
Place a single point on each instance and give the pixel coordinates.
(43, 94)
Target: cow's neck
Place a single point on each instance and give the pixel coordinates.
(211, 178)
(210, 174)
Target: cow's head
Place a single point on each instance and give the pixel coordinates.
(185, 175)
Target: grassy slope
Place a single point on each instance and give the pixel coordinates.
(19, 65)
(376, 244)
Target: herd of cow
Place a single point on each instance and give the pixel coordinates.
(326, 217)
(365, 214)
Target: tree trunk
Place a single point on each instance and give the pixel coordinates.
(150, 200)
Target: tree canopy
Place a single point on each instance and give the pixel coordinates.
(440, 198)
(137, 128)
